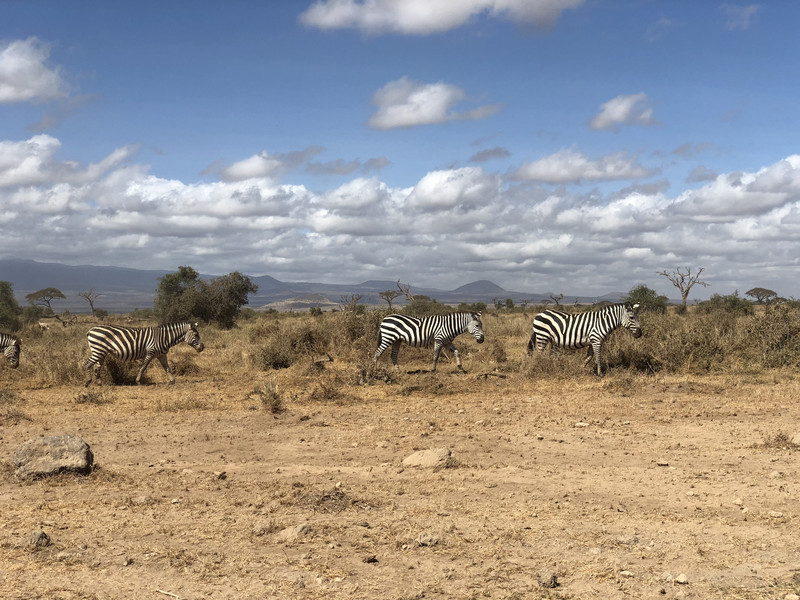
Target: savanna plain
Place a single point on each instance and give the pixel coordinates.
(273, 467)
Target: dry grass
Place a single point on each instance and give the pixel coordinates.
(673, 463)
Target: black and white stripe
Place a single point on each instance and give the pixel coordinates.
(135, 343)
(439, 330)
(9, 346)
(580, 330)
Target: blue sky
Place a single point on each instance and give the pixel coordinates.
(565, 146)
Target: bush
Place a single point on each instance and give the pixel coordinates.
(731, 303)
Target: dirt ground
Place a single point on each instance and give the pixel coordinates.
(624, 487)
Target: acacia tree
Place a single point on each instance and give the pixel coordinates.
(684, 280)
(390, 295)
(44, 297)
(762, 295)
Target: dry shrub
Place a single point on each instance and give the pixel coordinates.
(328, 389)
(278, 344)
(55, 357)
(10, 413)
(269, 395)
(95, 397)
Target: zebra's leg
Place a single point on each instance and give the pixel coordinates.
(162, 358)
(381, 349)
(145, 362)
(93, 366)
(437, 349)
(531, 343)
(595, 350)
(458, 356)
(395, 352)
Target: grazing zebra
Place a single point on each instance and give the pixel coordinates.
(9, 346)
(441, 330)
(134, 343)
(590, 328)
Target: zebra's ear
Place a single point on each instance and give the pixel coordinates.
(194, 325)
(635, 307)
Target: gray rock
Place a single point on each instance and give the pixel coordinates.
(52, 454)
(39, 539)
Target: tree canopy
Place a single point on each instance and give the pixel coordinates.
(44, 297)
(183, 296)
(647, 299)
(9, 308)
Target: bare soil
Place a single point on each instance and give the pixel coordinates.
(624, 487)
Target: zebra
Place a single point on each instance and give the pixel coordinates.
(134, 343)
(590, 328)
(440, 330)
(9, 346)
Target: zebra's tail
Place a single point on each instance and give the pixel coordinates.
(532, 342)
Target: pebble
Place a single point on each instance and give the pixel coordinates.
(682, 579)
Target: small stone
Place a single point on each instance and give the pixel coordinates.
(738, 501)
(774, 514)
(581, 424)
(791, 597)
(682, 579)
(626, 574)
(39, 539)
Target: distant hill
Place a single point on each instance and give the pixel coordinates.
(124, 289)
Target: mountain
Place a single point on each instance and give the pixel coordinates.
(124, 289)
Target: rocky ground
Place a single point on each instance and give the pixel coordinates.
(623, 487)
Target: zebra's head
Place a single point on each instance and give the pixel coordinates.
(193, 338)
(475, 327)
(630, 319)
(11, 353)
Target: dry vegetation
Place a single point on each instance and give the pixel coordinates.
(273, 467)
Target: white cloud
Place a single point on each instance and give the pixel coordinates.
(24, 77)
(632, 109)
(739, 17)
(406, 103)
(569, 166)
(464, 189)
(424, 17)
(453, 226)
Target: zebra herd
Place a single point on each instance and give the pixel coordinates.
(552, 327)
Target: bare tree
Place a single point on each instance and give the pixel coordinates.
(350, 302)
(684, 280)
(557, 299)
(406, 290)
(390, 295)
(90, 296)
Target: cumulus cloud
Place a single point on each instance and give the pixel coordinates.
(264, 165)
(569, 166)
(424, 17)
(407, 103)
(632, 109)
(24, 76)
(451, 227)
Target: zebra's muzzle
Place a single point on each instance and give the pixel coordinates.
(637, 333)
(479, 339)
(200, 347)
